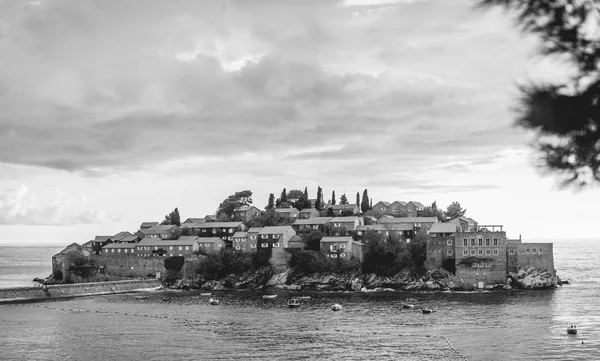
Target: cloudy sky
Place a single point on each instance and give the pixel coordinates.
(115, 112)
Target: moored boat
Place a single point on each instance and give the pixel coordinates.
(572, 329)
(269, 297)
(336, 307)
(293, 303)
(213, 301)
(426, 310)
(407, 305)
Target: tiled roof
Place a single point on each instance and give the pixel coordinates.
(343, 206)
(384, 203)
(306, 210)
(129, 239)
(316, 220)
(408, 220)
(120, 245)
(285, 210)
(343, 219)
(418, 204)
(102, 238)
(443, 228)
(219, 225)
(240, 235)
(121, 235)
(402, 203)
(194, 220)
(148, 224)
(209, 239)
(275, 230)
(158, 229)
(149, 242)
(372, 227)
(244, 208)
(386, 227)
(87, 244)
(343, 239)
(254, 229)
(181, 241)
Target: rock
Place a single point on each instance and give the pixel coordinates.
(278, 278)
(39, 280)
(356, 284)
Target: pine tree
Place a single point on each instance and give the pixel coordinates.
(271, 203)
(333, 198)
(364, 206)
(343, 199)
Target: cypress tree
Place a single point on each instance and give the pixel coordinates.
(364, 206)
(271, 203)
(283, 197)
(333, 198)
(319, 198)
(358, 199)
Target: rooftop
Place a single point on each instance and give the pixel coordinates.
(344, 239)
(316, 220)
(275, 229)
(443, 228)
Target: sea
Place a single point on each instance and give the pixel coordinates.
(175, 325)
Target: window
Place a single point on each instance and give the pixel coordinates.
(170, 248)
(465, 253)
(474, 264)
(180, 255)
(264, 245)
(119, 250)
(252, 246)
(488, 264)
(336, 224)
(472, 242)
(465, 242)
(276, 244)
(534, 250)
(472, 252)
(206, 245)
(541, 250)
(480, 264)
(252, 237)
(480, 241)
(106, 250)
(333, 248)
(203, 230)
(342, 255)
(180, 248)
(112, 251)
(488, 252)
(449, 252)
(527, 250)
(237, 247)
(243, 239)
(343, 246)
(511, 251)
(495, 252)
(187, 248)
(495, 241)
(263, 236)
(487, 242)
(449, 242)
(333, 255)
(219, 244)
(231, 229)
(275, 236)
(480, 252)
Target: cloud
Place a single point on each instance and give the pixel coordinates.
(20, 206)
(224, 79)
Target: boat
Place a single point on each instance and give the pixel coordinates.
(407, 305)
(213, 301)
(293, 303)
(303, 297)
(336, 307)
(206, 294)
(427, 311)
(572, 329)
(141, 297)
(269, 297)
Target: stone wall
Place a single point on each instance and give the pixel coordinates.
(437, 250)
(136, 266)
(25, 294)
(542, 259)
(484, 272)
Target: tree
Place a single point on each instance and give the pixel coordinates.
(432, 211)
(566, 115)
(271, 203)
(364, 206)
(172, 218)
(455, 210)
(294, 195)
(343, 199)
(226, 208)
(333, 198)
(302, 202)
(283, 197)
(270, 218)
(358, 199)
(311, 239)
(319, 198)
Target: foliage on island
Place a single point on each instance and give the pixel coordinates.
(228, 261)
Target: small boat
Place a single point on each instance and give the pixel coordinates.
(303, 297)
(427, 311)
(141, 297)
(206, 294)
(269, 297)
(293, 303)
(572, 329)
(213, 301)
(408, 305)
(336, 307)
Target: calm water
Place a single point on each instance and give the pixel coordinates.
(484, 326)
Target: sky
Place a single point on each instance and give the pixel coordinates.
(116, 112)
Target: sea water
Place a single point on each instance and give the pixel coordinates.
(508, 325)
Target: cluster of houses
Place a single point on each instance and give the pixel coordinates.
(480, 254)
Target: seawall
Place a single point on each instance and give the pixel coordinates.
(30, 294)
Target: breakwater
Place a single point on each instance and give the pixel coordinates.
(30, 294)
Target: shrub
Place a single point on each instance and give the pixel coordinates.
(309, 262)
(228, 261)
(174, 263)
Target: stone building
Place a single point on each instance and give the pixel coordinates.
(342, 247)
(440, 244)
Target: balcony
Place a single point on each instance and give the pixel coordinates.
(482, 228)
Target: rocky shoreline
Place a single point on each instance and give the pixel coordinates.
(429, 281)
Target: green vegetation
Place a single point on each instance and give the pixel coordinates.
(172, 218)
(226, 208)
(389, 256)
(364, 206)
(313, 261)
(228, 261)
